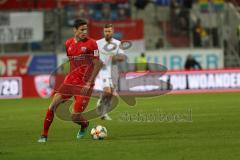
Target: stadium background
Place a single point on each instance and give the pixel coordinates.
(32, 36)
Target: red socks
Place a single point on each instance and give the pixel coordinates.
(47, 122)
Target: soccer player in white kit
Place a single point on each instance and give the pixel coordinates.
(110, 53)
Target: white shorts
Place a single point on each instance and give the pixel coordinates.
(107, 82)
(105, 79)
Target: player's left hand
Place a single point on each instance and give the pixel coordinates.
(118, 58)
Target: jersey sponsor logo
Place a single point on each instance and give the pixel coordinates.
(79, 57)
(110, 47)
(42, 85)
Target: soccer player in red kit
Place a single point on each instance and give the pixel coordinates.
(82, 52)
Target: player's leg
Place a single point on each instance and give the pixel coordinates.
(57, 99)
(80, 105)
(104, 103)
(107, 99)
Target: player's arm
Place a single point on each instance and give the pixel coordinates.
(98, 64)
(119, 57)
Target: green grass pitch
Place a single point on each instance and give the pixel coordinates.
(213, 133)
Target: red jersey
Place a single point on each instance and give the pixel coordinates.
(81, 55)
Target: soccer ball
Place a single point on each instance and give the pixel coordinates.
(99, 132)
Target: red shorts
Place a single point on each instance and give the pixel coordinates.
(72, 85)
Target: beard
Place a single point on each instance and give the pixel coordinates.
(108, 38)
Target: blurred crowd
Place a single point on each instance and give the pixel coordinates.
(98, 12)
(179, 14)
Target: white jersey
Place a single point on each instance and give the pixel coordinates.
(106, 56)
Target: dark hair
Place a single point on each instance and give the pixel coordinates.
(79, 22)
(108, 25)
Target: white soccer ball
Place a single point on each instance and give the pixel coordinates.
(99, 132)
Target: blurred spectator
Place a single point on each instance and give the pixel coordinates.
(159, 43)
(191, 63)
(106, 13)
(141, 63)
(141, 4)
(205, 38)
(214, 37)
(238, 36)
(122, 12)
(200, 35)
(82, 12)
(174, 12)
(109, 11)
(183, 21)
(184, 16)
(74, 12)
(187, 4)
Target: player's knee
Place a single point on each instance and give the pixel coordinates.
(106, 97)
(57, 100)
(107, 89)
(107, 92)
